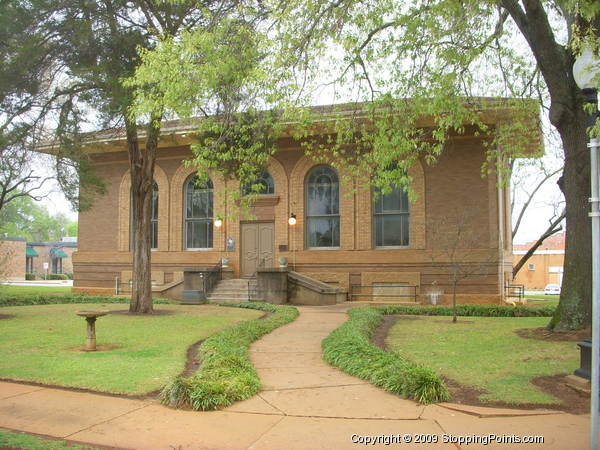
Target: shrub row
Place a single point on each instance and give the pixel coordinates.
(50, 276)
(226, 374)
(470, 310)
(350, 349)
(48, 299)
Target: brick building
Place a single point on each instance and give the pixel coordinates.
(545, 266)
(12, 259)
(57, 255)
(342, 236)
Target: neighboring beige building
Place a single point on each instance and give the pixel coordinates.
(12, 259)
(342, 236)
(57, 255)
(545, 266)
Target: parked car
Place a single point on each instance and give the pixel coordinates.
(552, 289)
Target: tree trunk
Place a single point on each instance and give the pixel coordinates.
(555, 62)
(574, 309)
(141, 167)
(454, 301)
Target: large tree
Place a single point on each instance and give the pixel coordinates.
(100, 45)
(31, 95)
(442, 55)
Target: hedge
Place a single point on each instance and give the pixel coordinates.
(350, 349)
(226, 374)
(469, 310)
(48, 299)
(55, 276)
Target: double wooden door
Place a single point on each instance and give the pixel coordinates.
(257, 247)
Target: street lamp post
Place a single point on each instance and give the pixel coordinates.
(585, 72)
(292, 222)
(218, 223)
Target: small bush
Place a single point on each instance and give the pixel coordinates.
(470, 310)
(350, 349)
(226, 374)
(30, 276)
(48, 299)
(55, 276)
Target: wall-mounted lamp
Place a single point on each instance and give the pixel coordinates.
(218, 223)
(292, 220)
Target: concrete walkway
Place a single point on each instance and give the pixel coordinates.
(305, 404)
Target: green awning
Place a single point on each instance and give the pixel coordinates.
(31, 253)
(58, 253)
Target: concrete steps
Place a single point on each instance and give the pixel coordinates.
(235, 290)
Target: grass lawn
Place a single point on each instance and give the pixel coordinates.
(6, 289)
(10, 440)
(542, 300)
(484, 352)
(40, 343)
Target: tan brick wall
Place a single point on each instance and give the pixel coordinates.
(12, 260)
(452, 184)
(339, 279)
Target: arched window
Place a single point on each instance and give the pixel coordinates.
(266, 182)
(322, 208)
(391, 218)
(198, 214)
(153, 219)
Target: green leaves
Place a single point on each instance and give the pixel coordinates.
(349, 348)
(226, 374)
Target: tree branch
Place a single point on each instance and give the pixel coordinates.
(553, 228)
(530, 198)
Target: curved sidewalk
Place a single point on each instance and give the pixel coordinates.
(305, 404)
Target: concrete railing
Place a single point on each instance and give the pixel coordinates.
(280, 285)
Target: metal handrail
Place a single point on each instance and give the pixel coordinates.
(512, 289)
(211, 277)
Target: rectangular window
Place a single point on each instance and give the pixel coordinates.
(391, 218)
(199, 233)
(323, 231)
(531, 266)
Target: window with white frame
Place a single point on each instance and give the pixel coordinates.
(531, 266)
(198, 213)
(391, 218)
(322, 208)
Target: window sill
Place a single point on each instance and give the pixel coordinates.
(393, 247)
(322, 248)
(199, 249)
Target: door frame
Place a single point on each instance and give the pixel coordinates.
(241, 243)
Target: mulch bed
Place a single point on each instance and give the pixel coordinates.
(572, 401)
(544, 334)
(382, 330)
(6, 316)
(192, 360)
